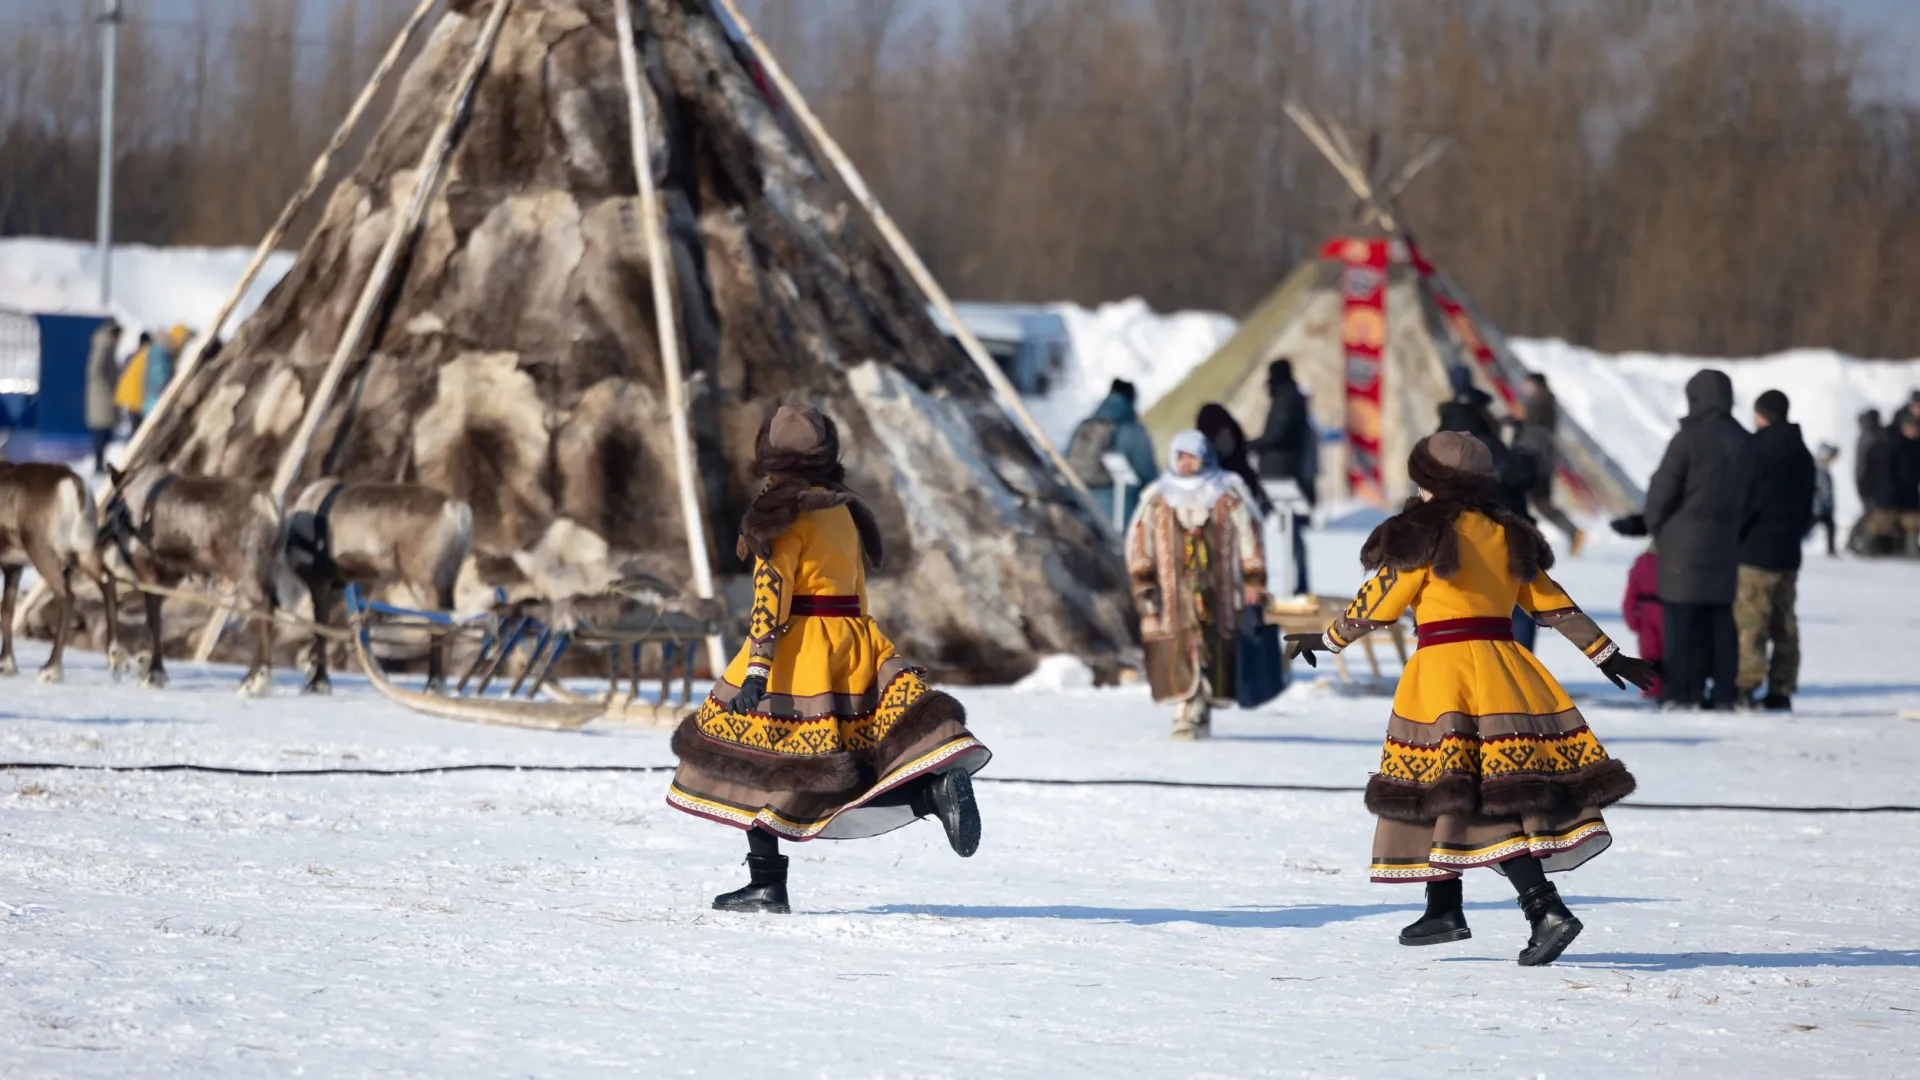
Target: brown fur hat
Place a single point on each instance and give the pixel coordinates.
(1457, 470)
(799, 442)
(798, 451)
(1454, 465)
(1422, 534)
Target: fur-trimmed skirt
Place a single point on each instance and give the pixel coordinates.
(832, 765)
(1469, 790)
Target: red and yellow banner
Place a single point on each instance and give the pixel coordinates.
(1363, 337)
(1469, 338)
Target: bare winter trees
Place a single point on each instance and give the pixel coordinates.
(1711, 176)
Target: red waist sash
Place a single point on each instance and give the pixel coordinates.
(826, 607)
(1448, 631)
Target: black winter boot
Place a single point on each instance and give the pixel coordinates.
(951, 797)
(1554, 927)
(766, 891)
(1445, 919)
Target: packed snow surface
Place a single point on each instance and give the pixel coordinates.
(556, 924)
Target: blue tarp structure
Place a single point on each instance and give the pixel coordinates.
(50, 424)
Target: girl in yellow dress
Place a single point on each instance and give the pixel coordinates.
(818, 729)
(1487, 762)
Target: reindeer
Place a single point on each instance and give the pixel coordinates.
(47, 522)
(168, 527)
(372, 535)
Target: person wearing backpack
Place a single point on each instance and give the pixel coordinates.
(1114, 427)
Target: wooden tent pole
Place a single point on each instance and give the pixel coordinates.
(660, 269)
(426, 178)
(917, 270)
(170, 394)
(1348, 171)
(287, 213)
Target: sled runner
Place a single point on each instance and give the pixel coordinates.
(537, 634)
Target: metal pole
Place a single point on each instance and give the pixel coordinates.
(103, 229)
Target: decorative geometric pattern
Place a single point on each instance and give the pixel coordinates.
(763, 623)
(1466, 754)
(1447, 862)
(813, 736)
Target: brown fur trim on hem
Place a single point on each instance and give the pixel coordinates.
(1597, 786)
(918, 721)
(825, 774)
(1421, 804)
(1423, 534)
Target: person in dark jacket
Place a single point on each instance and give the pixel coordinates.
(1780, 493)
(1285, 451)
(1114, 427)
(1696, 504)
(1282, 444)
(1468, 411)
(1900, 487)
(1540, 420)
(1866, 456)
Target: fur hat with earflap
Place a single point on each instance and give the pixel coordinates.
(1455, 470)
(798, 452)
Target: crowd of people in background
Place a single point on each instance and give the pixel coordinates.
(1886, 473)
(129, 391)
(1712, 599)
(1197, 539)
(1728, 512)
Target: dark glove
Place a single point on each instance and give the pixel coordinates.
(752, 689)
(1631, 525)
(1631, 669)
(1304, 646)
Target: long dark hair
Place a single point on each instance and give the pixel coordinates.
(1229, 442)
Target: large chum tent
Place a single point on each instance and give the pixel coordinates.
(495, 304)
(1372, 328)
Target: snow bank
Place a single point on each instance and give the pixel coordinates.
(153, 288)
(1126, 340)
(1057, 674)
(1632, 402)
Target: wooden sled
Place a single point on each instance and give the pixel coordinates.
(1313, 614)
(533, 699)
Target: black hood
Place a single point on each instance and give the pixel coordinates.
(1710, 391)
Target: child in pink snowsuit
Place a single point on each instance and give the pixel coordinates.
(1641, 604)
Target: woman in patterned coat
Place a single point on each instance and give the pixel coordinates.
(1194, 553)
(1487, 763)
(818, 729)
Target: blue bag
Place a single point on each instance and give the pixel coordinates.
(1258, 670)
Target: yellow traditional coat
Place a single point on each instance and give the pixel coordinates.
(844, 719)
(1486, 757)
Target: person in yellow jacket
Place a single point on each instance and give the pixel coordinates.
(1487, 762)
(130, 393)
(818, 728)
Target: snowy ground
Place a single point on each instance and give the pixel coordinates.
(555, 924)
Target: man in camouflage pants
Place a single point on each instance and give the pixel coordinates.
(1779, 514)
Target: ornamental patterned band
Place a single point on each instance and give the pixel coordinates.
(1491, 757)
(1363, 336)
